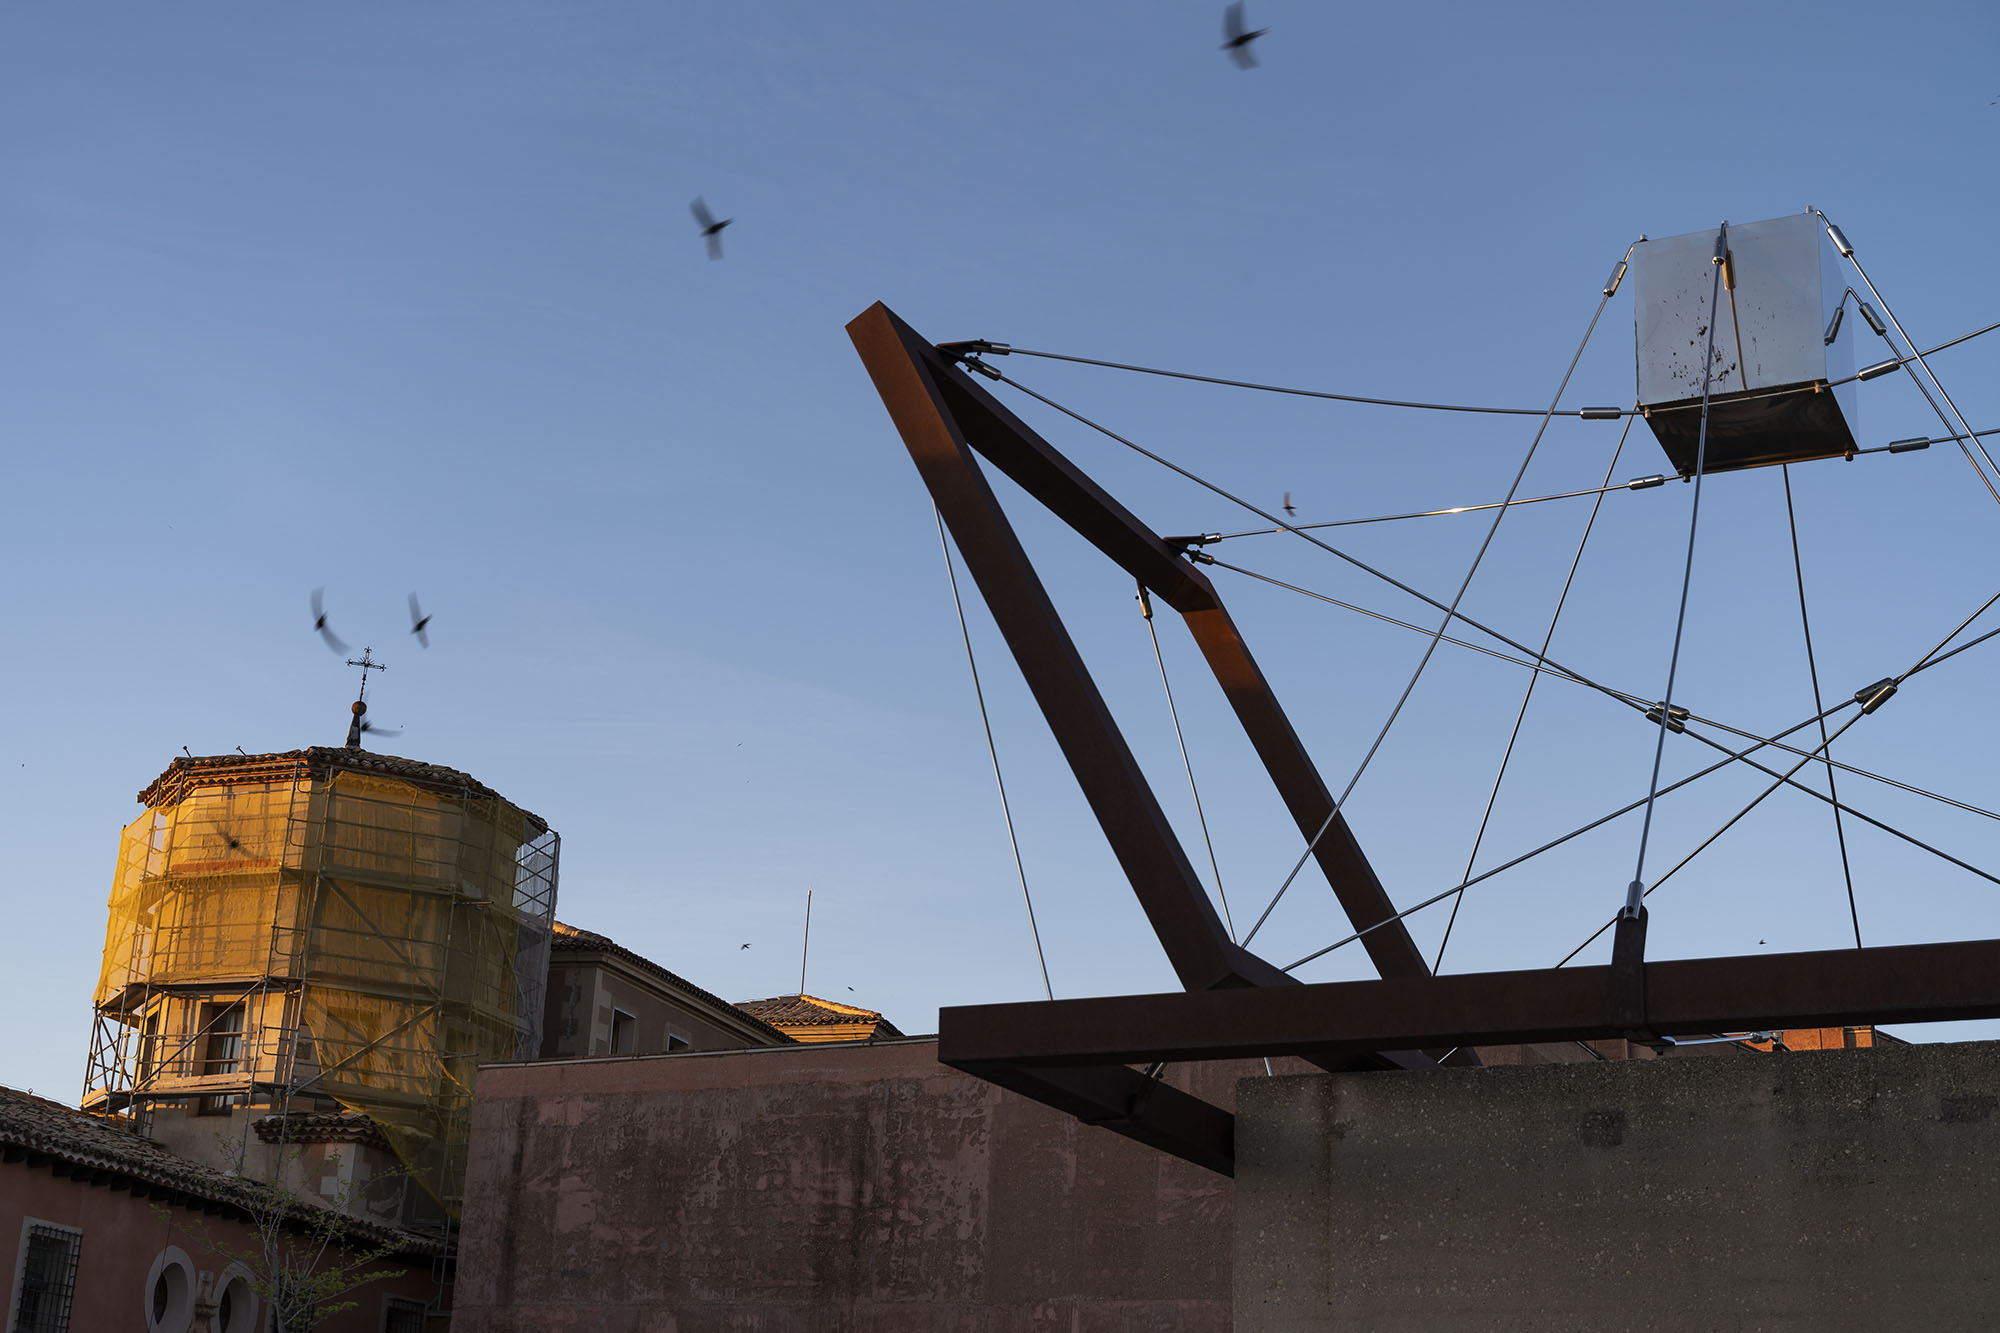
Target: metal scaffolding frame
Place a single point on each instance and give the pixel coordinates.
(323, 928)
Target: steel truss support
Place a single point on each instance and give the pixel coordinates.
(1075, 1055)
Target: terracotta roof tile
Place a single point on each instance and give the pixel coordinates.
(319, 762)
(811, 1011)
(66, 1134)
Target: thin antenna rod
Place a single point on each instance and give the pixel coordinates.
(806, 946)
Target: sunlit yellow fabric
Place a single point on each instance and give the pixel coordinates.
(403, 912)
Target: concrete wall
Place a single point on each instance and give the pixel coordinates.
(823, 1187)
(1822, 1190)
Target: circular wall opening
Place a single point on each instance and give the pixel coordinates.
(169, 1292)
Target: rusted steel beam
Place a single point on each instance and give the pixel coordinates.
(900, 361)
(1297, 779)
(1332, 1021)
(907, 374)
(1126, 1102)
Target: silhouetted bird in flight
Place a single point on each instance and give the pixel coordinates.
(333, 641)
(711, 230)
(1236, 39)
(1289, 509)
(375, 729)
(744, 947)
(417, 622)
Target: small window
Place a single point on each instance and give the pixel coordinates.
(624, 1033)
(45, 1280)
(222, 1052)
(402, 1316)
(676, 1042)
(149, 1048)
(236, 1307)
(169, 1292)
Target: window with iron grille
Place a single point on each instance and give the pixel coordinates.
(45, 1282)
(402, 1316)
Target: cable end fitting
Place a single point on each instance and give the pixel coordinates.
(1646, 483)
(1874, 320)
(1879, 369)
(1601, 413)
(969, 346)
(1182, 544)
(1908, 446)
(1635, 901)
(979, 367)
(1872, 697)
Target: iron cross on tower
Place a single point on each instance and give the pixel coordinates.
(367, 663)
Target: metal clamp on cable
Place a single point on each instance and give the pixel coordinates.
(1183, 544)
(973, 363)
(1676, 718)
(1872, 697)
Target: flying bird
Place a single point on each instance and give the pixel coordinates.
(377, 729)
(1236, 38)
(711, 230)
(417, 622)
(1290, 509)
(333, 640)
(743, 947)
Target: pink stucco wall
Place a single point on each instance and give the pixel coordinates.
(123, 1235)
(821, 1188)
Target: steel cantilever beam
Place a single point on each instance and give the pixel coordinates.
(1076, 1055)
(945, 418)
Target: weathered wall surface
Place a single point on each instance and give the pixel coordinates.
(820, 1188)
(1823, 1190)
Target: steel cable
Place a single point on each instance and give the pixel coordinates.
(1819, 704)
(992, 752)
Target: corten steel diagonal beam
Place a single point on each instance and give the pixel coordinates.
(929, 391)
(907, 374)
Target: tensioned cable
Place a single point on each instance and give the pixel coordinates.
(1521, 714)
(1871, 697)
(1636, 892)
(1639, 701)
(1001, 349)
(1812, 668)
(1213, 538)
(1881, 692)
(995, 373)
(992, 752)
(1482, 876)
(1847, 251)
(1450, 612)
(1545, 662)
(1215, 867)
(1636, 484)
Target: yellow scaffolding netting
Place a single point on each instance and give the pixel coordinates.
(388, 934)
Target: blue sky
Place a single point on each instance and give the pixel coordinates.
(385, 299)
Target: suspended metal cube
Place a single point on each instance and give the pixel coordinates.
(1771, 398)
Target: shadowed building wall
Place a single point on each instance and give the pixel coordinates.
(824, 1187)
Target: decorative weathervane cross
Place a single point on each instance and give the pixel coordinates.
(367, 664)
